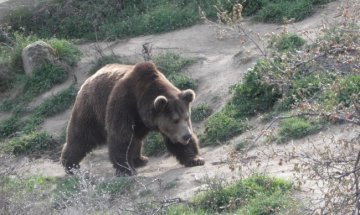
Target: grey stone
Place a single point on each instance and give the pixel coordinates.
(36, 54)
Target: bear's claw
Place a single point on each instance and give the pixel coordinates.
(198, 161)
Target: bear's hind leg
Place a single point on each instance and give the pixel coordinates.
(77, 147)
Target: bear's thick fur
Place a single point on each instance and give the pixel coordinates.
(119, 105)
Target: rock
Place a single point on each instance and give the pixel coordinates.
(36, 54)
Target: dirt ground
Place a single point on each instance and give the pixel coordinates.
(221, 63)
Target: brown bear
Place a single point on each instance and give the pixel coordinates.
(119, 105)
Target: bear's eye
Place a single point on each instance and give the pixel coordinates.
(176, 121)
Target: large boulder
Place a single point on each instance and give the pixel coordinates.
(36, 54)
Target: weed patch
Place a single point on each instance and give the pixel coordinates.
(257, 194)
(35, 142)
(279, 11)
(221, 127)
(109, 59)
(200, 113)
(57, 103)
(286, 42)
(296, 128)
(154, 144)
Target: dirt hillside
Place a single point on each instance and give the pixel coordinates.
(221, 63)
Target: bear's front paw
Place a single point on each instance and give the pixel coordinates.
(197, 161)
(141, 161)
(69, 169)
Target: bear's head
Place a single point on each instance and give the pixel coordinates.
(173, 116)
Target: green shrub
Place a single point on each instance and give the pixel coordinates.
(182, 82)
(115, 186)
(109, 59)
(306, 86)
(253, 95)
(200, 112)
(280, 11)
(35, 142)
(171, 63)
(296, 128)
(9, 126)
(258, 194)
(66, 51)
(222, 127)
(98, 19)
(43, 79)
(57, 103)
(349, 89)
(154, 144)
(286, 42)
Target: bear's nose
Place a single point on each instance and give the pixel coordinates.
(186, 137)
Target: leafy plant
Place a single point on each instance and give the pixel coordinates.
(253, 95)
(65, 51)
(257, 194)
(296, 128)
(109, 59)
(171, 63)
(200, 113)
(34, 142)
(286, 42)
(221, 127)
(154, 144)
(43, 78)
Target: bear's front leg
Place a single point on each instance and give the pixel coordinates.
(188, 155)
(120, 153)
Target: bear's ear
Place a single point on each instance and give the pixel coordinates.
(160, 103)
(187, 95)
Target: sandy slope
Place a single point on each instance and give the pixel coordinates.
(221, 64)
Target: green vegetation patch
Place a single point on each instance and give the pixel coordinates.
(57, 103)
(286, 42)
(200, 112)
(171, 64)
(109, 59)
(257, 194)
(349, 90)
(97, 19)
(35, 142)
(279, 11)
(115, 186)
(254, 95)
(43, 79)
(296, 128)
(221, 127)
(154, 144)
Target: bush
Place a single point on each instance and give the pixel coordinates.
(183, 82)
(349, 90)
(252, 95)
(108, 19)
(286, 42)
(57, 103)
(257, 194)
(9, 126)
(65, 51)
(109, 59)
(200, 113)
(171, 63)
(35, 142)
(43, 79)
(222, 127)
(154, 144)
(296, 128)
